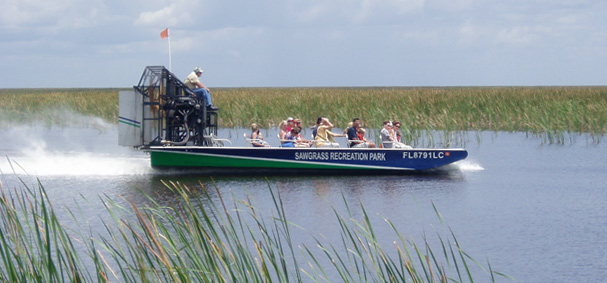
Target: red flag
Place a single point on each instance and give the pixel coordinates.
(164, 34)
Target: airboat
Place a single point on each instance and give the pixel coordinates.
(162, 116)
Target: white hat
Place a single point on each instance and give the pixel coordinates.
(198, 70)
(289, 119)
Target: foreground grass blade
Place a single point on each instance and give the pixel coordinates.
(197, 237)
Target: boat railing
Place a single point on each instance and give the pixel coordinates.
(214, 141)
(395, 144)
(283, 140)
(350, 142)
(259, 141)
(298, 143)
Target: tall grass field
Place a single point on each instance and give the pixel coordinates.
(528, 109)
(550, 112)
(56, 106)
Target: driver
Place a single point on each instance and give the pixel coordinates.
(199, 89)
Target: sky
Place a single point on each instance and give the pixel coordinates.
(300, 43)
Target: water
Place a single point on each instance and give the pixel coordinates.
(537, 212)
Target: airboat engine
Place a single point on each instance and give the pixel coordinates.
(161, 110)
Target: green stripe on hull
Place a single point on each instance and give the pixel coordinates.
(179, 159)
(129, 123)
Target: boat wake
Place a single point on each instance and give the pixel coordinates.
(468, 166)
(36, 159)
(68, 151)
(74, 164)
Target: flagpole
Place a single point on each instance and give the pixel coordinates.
(164, 34)
(170, 65)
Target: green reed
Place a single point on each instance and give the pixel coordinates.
(201, 236)
(57, 106)
(534, 109)
(529, 109)
(35, 247)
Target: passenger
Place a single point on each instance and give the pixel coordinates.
(361, 136)
(286, 139)
(298, 123)
(257, 138)
(289, 140)
(348, 126)
(300, 139)
(353, 139)
(350, 131)
(324, 137)
(361, 133)
(396, 129)
(283, 130)
(398, 140)
(199, 89)
(290, 124)
(386, 137)
(318, 122)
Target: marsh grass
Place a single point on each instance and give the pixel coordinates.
(554, 114)
(55, 106)
(204, 237)
(535, 109)
(550, 112)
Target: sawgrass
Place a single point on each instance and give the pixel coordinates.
(57, 106)
(535, 109)
(202, 237)
(540, 110)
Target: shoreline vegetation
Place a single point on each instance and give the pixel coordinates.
(202, 236)
(538, 110)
